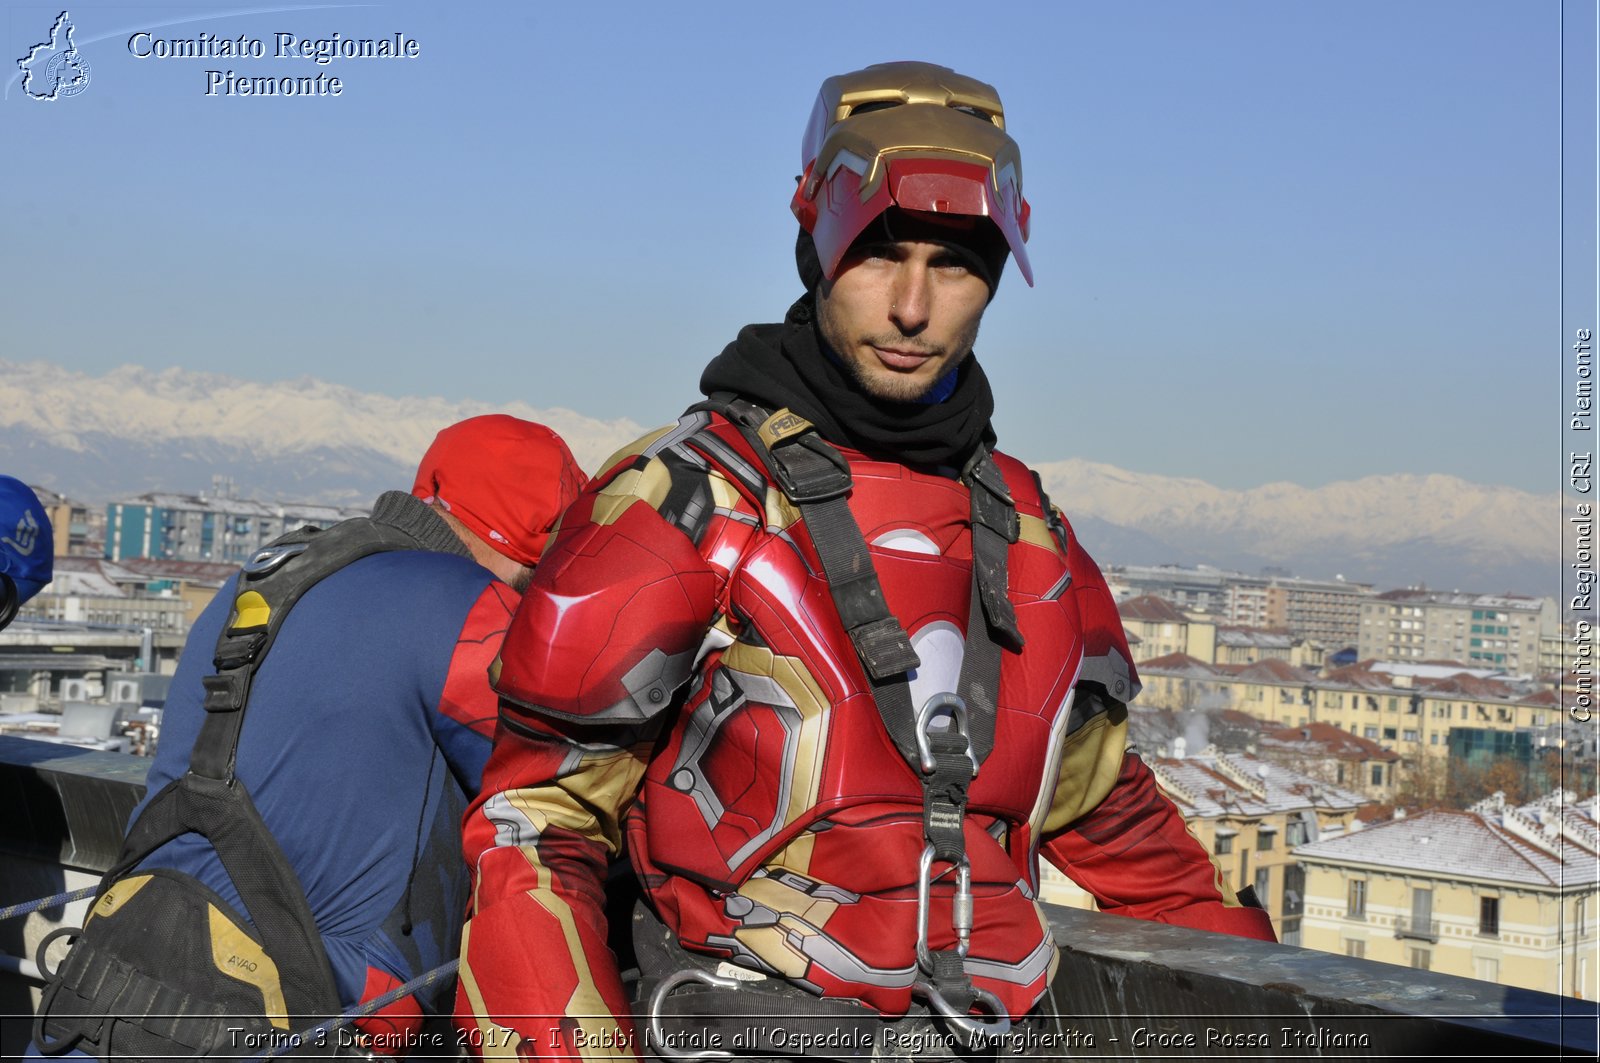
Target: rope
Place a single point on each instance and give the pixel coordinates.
(47, 902)
(422, 981)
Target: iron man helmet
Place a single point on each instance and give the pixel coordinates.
(911, 135)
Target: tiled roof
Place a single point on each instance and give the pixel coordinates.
(313, 512)
(1365, 676)
(97, 576)
(1469, 685)
(1430, 669)
(1274, 671)
(1483, 601)
(1148, 607)
(1265, 638)
(1240, 718)
(1327, 740)
(1358, 676)
(1237, 784)
(1468, 844)
(1177, 664)
(155, 568)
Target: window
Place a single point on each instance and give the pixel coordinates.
(1377, 775)
(1224, 844)
(1422, 959)
(1297, 827)
(1409, 736)
(1294, 890)
(1389, 733)
(1356, 899)
(1265, 839)
(1264, 887)
(1369, 732)
(1355, 947)
(1489, 916)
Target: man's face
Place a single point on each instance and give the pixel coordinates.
(901, 315)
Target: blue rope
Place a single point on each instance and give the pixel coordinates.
(47, 902)
(293, 1041)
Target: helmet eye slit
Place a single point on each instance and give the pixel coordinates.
(976, 112)
(873, 105)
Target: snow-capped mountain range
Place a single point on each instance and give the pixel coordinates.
(133, 430)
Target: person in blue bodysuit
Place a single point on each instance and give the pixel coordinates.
(370, 719)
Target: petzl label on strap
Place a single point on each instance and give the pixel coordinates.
(782, 425)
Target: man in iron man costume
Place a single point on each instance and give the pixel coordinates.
(831, 671)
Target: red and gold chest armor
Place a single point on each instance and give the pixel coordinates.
(777, 824)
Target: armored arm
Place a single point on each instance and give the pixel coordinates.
(1110, 828)
(605, 637)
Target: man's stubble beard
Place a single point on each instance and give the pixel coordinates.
(889, 386)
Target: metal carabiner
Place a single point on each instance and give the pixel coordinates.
(960, 916)
(658, 1033)
(958, 722)
(972, 1027)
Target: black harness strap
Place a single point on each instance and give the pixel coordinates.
(272, 582)
(816, 479)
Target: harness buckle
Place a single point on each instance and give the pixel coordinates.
(809, 470)
(663, 1046)
(272, 557)
(958, 723)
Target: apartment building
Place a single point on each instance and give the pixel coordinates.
(1161, 628)
(76, 530)
(163, 595)
(201, 528)
(1487, 630)
(1180, 682)
(1571, 650)
(1498, 893)
(1327, 612)
(1408, 710)
(1247, 645)
(1202, 589)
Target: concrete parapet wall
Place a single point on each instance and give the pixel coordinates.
(1125, 988)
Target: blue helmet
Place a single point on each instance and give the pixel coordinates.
(26, 546)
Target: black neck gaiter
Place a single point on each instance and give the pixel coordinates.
(784, 365)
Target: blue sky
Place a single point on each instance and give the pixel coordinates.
(1272, 241)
